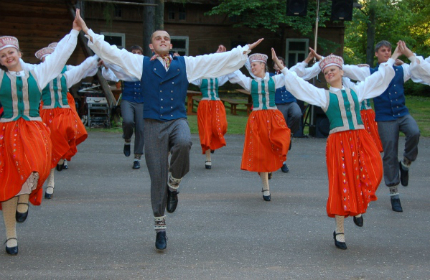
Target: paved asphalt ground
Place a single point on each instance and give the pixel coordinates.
(99, 224)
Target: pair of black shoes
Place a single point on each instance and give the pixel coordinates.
(11, 250)
(339, 244)
(172, 200)
(396, 205)
(161, 241)
(21, 217)
(404, 175)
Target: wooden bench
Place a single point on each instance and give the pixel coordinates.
(234, 102)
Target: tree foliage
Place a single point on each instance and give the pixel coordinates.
(395, 20)
(270, 14)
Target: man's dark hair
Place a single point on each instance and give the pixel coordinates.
(281, 59)
(381, 44)
(136, 47)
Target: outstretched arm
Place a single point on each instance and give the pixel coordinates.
(132, 64)
(54, 63)
(218, 64)
(299, 88)
(87, 68)
(238, 78)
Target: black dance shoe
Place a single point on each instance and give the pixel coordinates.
(136, 164)
(65, 166)
(172, 201)
(358, 221)
(269, 175)
(11, 250)
(266, 197)
(212, 151)
(21, 217)
(208, 164)
(60, 167)
(161, 240)
(404, 175)
(338, 244)
(48, 195)
(127, 150)
(396, 205)
(284, 168)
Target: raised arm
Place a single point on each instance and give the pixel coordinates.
(87, 68)
(378, 82)
(300, 88)
(355, 72)
(54, 63)
(237, 77)
(132, 64)
(217, 64)
(119, 73)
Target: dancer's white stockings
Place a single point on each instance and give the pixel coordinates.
(51, 184)
(208, 155)
(340, 228)
(265, 179)
(9, 212)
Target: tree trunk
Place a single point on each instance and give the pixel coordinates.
(159, 15)
(148, 26)
(370, 50)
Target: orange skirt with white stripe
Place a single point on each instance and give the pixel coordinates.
(66, 133)
(212, 124)
(267, 139)
(368, 117)
(25, 147)
(354, 168)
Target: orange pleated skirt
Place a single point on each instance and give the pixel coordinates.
(368, 117)
(25, 147)
(212, 124)
(354, 168)
(267, 139)
(67, 131)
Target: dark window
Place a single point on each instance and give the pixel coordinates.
(297, 46)
(113, 40)
(182, 13)
(178, 43)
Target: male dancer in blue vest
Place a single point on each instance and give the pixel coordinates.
(392, 116)
(132, 115)
(164, 86)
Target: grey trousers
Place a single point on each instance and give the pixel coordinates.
(132, 120)
(389, 134)
(292, 114)
(161, 138)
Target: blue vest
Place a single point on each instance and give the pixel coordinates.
(132, 92)
(282, 95)
(164, 92)
(390, 105)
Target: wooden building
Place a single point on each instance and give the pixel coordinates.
(36, 23)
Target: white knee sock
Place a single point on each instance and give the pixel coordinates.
(173, 183)
(340, 228)
(51, 183)
(9, 212)
(208, 155)
(160, 223)
(265, 179)
(22, 206)
(61, 162)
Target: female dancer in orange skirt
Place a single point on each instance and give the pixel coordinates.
(211, 117)
(25, 145)
(58, 112)
(353, 162)
(267, 136)
(368, 118)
